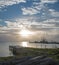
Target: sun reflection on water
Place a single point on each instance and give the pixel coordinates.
(24, 44)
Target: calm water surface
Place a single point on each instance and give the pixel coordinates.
(4, 47)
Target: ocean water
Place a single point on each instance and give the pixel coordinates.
(4, 46)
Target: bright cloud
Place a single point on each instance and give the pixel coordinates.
(11, 24)
(34, 9)
(37, 7)
(31, 23)
(49, 1)
(51, 23)
(29, 11)
(54, 13)
(4, 3)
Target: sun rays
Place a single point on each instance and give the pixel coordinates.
(25, 33)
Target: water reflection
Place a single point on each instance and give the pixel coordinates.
(38, 45)
(4, 47)
(24, 44)
(27, 44)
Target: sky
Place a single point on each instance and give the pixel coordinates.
(38, 16)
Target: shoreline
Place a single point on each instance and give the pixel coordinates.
(53, 53)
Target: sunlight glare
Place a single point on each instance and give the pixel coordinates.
(24, 44)
(25, 33)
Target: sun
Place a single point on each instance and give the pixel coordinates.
(25, 33)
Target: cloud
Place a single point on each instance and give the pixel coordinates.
(10, 28)
(46, 28)
(49, 1)
(54, 13)
(52, 20)
(38, 7)
(29, 11)
(52, 23)
(34, 21)
(31, 23)
(11, 24)
(34, 9)
(4, 3)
